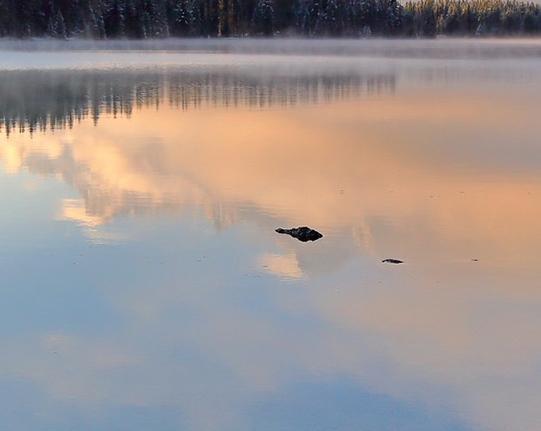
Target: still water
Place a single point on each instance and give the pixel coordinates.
(144, 286)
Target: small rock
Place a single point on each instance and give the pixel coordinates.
(303, 233)
(396, 261)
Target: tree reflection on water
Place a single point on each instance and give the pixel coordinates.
(39, 100)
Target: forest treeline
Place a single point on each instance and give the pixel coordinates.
(143, 19)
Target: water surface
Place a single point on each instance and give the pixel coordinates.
(144, 286)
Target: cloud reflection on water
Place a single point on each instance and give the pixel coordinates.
(426, 174)
(378, 173)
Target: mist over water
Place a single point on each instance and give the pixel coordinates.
(61, 81)
(144, 284)
(408, 48)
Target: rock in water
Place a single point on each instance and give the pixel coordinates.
(303, 233)
(392, 261)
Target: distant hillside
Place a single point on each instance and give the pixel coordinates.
(143, 19)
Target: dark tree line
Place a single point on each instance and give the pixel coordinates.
(473, 17)
(142, 19)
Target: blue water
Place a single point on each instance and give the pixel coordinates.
(144, 285)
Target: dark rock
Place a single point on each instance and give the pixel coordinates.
(303, 233)
(392, 261)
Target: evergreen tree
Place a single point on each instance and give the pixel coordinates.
(264, 17)
(113, 17)
(353, 18)
(57, 26)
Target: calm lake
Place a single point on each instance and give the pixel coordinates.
(144, 286)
